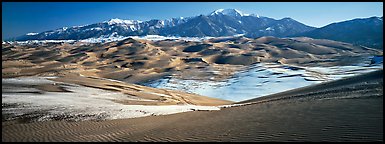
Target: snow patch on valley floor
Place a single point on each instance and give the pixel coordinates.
(82, 103)
(110, 38)
(261, 80)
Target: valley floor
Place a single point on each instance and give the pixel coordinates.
(343, 110)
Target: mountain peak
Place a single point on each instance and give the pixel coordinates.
(287, 19)
(229, 12)
(120, 21)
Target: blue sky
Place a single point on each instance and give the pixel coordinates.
(19, 18)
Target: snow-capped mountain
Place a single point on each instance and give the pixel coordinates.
(229, 12)
(231, 22)
(221, 22)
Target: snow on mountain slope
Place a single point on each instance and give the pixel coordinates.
(229, 12)
(221, 22)
(32, 33)
(120, 21)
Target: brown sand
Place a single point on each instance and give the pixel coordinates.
(140, 61)
(344, 110)
(173, 97)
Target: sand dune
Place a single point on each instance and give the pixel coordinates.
(71, 98)
(140, 61)
(171, 96)
(343, 110)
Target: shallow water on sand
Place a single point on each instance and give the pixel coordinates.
(262, 79)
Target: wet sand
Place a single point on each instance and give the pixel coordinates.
(343, 110)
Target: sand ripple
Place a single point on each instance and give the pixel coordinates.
(314, 118)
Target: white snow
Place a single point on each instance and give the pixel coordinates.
(158, 38)
(79, 26)
(97, 28)
(32, 33)
(110, 38)
(63, 29)
(29, 80)
(120, 21)
(261, 80)
(238, 35)
(133, 28)
(269, 29)
(40, 41)
(255, 15)
(229, 12)
(80, 101)
(217, 11)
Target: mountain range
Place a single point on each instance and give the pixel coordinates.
(363, 31)
(223, 22)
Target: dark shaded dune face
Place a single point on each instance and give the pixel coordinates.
(81, 50)
(97, 49)
(197, 48)
(118, 60)
(227, 39)
(125, 41)
(248, 47)
(122, 51)
(6, 51)
(15, 55)
(88, 63)
(129, 50)
(136, 64)
(234, 46)
(38, 60)
(164, 44)
(187, 60)
(140, 57)
(169, 43)
(41, 54)
(53, 58)
(139, 45)
(236, 60)
(73, 58)
(258, 46)
(257, 54)
(280, 43)
(217, 40)
(273, 51)
(207, 52)
(106, 67)
(117, 75)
